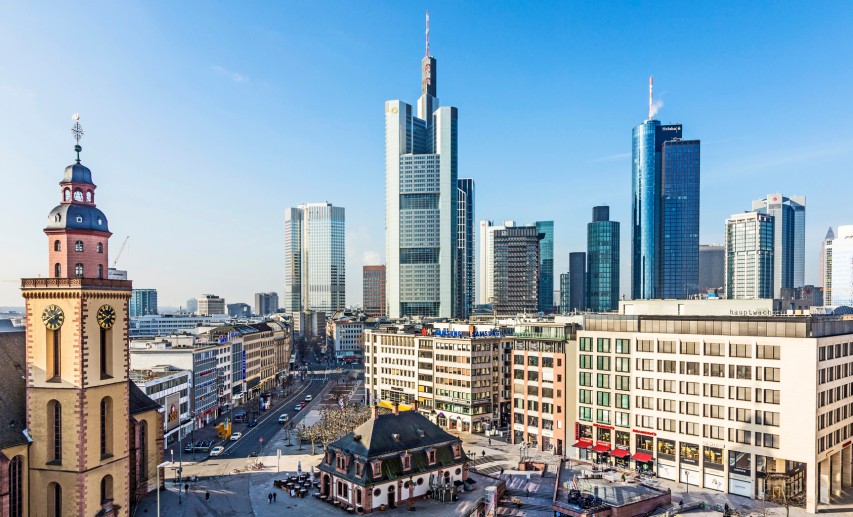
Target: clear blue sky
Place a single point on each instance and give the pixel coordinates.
(205, 120)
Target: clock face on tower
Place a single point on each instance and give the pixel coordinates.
(106, 316)
(53, 317)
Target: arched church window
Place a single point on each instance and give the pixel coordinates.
(54, 415)
(57, 270)
(78, 246)
(78, 270)
(66, 195)
(88, 196)
(100, 248)
(57, 246)
(16, 487)
(78, 195)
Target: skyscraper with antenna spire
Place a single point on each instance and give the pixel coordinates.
(421, 196)
(664, 211)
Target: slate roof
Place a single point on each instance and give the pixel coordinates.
(387, 437)
(13, 398)
(139, 401)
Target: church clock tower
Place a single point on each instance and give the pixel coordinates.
(77, 354)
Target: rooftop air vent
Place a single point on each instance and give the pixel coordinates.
(396, 437)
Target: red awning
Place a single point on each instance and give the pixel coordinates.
(583, 444)
(601, 447)
(620, 453)
(642, 457)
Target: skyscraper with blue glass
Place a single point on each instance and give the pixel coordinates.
(789, 239)
(665, 212)
(602, 261)
(546, 265)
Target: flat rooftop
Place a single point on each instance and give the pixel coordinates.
(610, 493)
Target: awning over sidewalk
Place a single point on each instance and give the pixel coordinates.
(620, 453)
(601, 447)
(642, 457)
(583, 444)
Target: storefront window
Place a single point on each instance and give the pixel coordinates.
(714, 458)
(603, 435)
(646, 443)
(689, 453)
(740, 463)
(666, 449)
(623, 438)
(585, 432)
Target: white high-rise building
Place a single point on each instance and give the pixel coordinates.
(824, 266)
(421, 202)
(749, 256)
(841, 278)
(314, 258)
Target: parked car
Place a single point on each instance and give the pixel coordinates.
(216, 451)
(252, 422)
(282, 419)
(298, 407)
(235, 436)
(308, 398)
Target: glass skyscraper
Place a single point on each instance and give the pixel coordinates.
(665, 212)
(546, 265)
(516, 269)
(842, 267)
(465, 248)
(577, 282)
(421, 196)
(602, 261)
(789, 239)
(314, 258)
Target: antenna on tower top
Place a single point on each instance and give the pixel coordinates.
(427, 33)
(651, 108)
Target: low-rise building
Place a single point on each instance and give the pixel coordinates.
(171, 388)
(347, 339)
(389, 461)
(154, 325)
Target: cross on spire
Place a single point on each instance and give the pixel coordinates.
(78, 133)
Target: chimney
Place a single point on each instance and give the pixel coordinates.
(396, 408)
(375, 412)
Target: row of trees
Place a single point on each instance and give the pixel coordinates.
(335, 422)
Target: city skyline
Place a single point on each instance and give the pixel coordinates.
(168, 157)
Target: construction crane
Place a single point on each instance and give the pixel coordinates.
(123, 244)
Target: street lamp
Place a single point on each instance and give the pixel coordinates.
(160, 466)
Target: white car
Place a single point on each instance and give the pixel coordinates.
(308, 398)
(298, 407)
(282, 419)
(216, 451)
(235, 436)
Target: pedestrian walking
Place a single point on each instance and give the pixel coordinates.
(207, 496)
(269, 497)
(273, 496)
(502, 471)
(484, 454)
(527, 492)
(490, 442)
(186, 488)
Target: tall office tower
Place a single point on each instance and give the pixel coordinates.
(516, 269)
(577, 281)
(565, 286)
(485, 285)
(421, 193)
(373, 291)
(546, 265)
(266, 303)
(314, 258)
(602, 261)
(749, 256)
(824, 266)
(789, 239)
(143, 302)
(712, 267)
(465, 248)
(665, 212)
(842, 267)
(210, 304)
